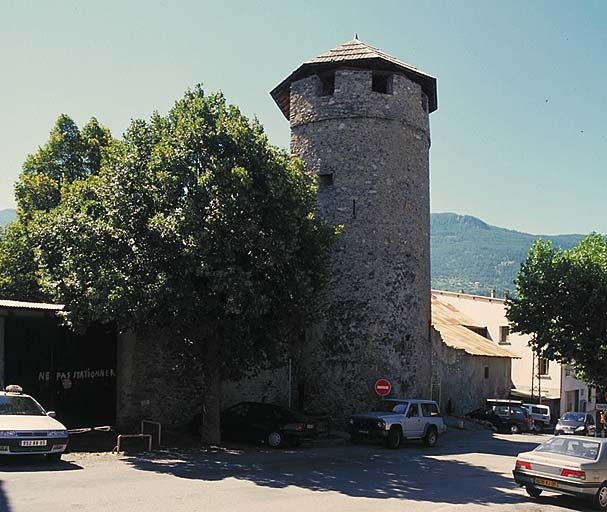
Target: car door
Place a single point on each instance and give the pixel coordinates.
(234, 422)
(413, 422)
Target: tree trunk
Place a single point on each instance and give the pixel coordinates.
(211, 408)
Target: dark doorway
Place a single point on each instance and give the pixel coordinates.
(74, 375)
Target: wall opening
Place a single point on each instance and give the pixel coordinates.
(486, 372)
(325, 180)
(382, 83)
(327, 84)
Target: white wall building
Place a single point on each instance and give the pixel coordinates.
(530, 379)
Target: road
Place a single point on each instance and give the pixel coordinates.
(466, 471)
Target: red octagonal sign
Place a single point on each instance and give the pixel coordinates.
(383, 387)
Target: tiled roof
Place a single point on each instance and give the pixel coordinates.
(15, 304)
(453, 328)
(357, 50)
(359, 54)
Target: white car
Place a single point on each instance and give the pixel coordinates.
(573, 465)
(27, 429)
(399, 420)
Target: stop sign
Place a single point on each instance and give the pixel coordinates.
(383, 387)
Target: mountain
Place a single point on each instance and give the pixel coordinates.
(468, 254)
(6, 216)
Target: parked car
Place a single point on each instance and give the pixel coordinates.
(505, 417)
(573, 465)
(398, 420)
(27, 429)
(267, 423)
(578, 423)
(542, 419)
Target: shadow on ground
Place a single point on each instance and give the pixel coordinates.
(412, 472)
(34, 463)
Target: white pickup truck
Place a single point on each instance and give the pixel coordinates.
(399, 420)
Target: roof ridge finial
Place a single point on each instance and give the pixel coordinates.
(356, 35)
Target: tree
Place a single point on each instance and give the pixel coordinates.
(196, 224)
(561, 301)
(69, 155)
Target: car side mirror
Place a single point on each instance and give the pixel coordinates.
(51, 414)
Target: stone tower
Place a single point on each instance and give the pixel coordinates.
(359, 120)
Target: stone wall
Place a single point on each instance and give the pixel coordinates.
(376, 314)
(152, 384)
(461, 377)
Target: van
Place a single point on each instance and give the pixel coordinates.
(541, 416)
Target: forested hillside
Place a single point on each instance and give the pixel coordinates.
(468, 254)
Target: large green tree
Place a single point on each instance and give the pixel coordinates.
(561, 301)
(198, 226)
(69, 155)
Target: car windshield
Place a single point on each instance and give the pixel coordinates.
(393, 406)
(573, 416)
(20, 405)
(572, 447)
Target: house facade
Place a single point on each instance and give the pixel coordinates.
(533, 380)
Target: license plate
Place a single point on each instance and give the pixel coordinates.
(309, 426)
(34, 442)
(546, 483)
(363, 431)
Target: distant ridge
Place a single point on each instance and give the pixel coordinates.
(7, 216)
(470, 255)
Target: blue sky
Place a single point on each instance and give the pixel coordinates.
(518, 140)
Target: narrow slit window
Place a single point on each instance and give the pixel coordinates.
(327, 84)
(486, 372)
(382, 83)
(325, 180)
(353, 208)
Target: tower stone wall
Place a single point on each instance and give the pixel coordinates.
(370, 151)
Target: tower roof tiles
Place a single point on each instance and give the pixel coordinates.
(354, 53)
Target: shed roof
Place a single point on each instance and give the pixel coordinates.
(15, 304)
(354, 53)
(453, 328)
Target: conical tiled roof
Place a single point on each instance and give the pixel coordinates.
(354, 53)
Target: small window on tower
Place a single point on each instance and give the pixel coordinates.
(382, 83)
(325, 180)
(327, 84)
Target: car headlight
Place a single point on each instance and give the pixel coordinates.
(381, 423)
(580, 428)
(57, 433)
(8, 433)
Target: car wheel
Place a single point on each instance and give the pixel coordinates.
(515, 429)
(533, 491)
(274, 439)
(599, 501)
(431, 437)
(539, 427)
(393, 439)
(54, 457)
(354, 439)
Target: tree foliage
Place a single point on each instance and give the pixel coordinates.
(69, 155)
(197, 223)
(561, 301)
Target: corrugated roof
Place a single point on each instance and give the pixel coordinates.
(15, 304)
(451, 324)
(357, 54)
(444, 313)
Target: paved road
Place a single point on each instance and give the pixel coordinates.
(467, 471)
